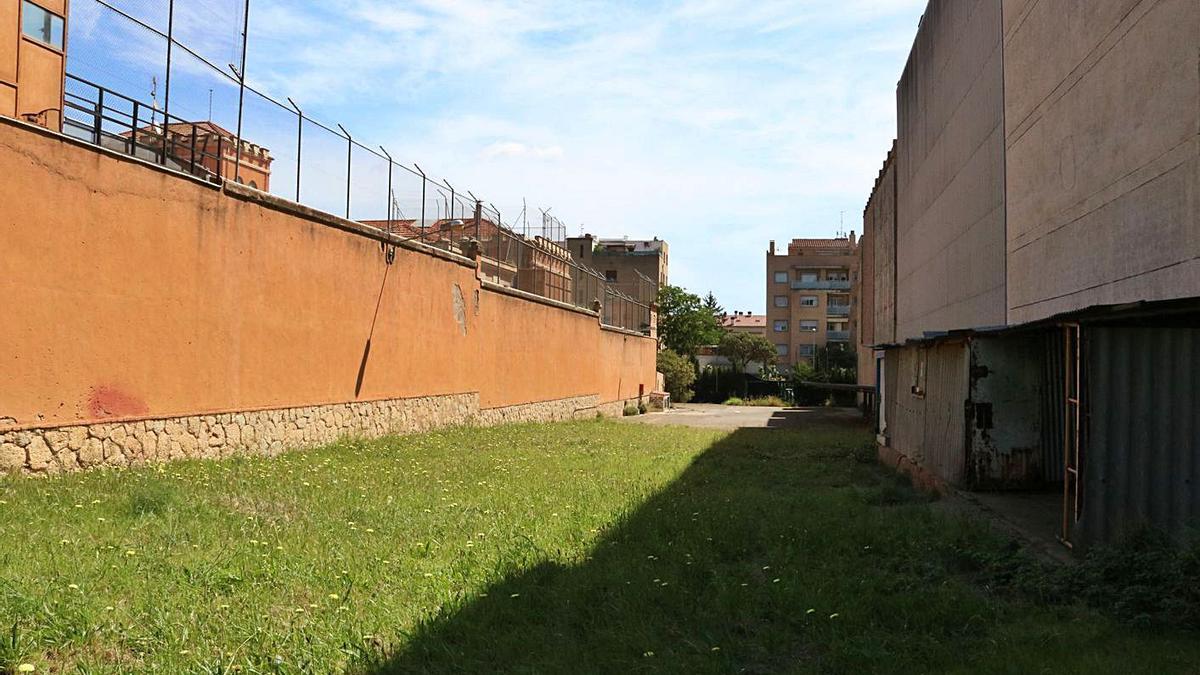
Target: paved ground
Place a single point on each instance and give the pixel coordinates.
(712, 416)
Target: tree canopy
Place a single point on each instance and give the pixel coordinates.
(742, 348)
(684, 323)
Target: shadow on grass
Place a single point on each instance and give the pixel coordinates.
(706, 576)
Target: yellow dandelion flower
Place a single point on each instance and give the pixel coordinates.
(26, 668)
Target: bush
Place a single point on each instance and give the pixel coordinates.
(630, 410)
(760, 401)
(679, 375)
(641, 408)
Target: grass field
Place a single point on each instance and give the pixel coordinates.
(584, 547)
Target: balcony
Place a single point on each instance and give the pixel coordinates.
(838, 310)
(825, 285)
(837, 336)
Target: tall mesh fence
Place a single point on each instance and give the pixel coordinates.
(163, 80)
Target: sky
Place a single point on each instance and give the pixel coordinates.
(716, 125)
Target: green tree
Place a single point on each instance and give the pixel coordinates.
(742, 348)
(684, 323)
(678, 373)
(711, 304)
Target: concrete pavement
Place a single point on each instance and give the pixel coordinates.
(713, 416)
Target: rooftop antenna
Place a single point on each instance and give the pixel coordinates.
(210, 105)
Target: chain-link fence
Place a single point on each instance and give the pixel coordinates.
(165, 81)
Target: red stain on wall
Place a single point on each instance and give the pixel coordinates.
(111, 402)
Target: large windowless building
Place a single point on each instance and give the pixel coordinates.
(1034, 253)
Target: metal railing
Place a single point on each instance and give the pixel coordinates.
(111, 120)
(838, 310)
(824, 285)
(837, 336)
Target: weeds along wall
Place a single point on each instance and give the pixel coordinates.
(138, 302)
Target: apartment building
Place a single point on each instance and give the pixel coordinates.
(1035, 262)
(636, 267)
(809, 296)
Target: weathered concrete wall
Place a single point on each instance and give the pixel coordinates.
(881, 212)
(950, 172)
(1103, 147)
(1007, 417)
(132, 293)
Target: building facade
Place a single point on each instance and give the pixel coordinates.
(745, 322)
(635, 267)
(1035, 260)
(32, 60)
(809, 301)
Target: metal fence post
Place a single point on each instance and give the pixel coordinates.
(389, 189)
(349, 158)
(167, 84)
(422, 223)
(299, 143)
(237, 168)
(99, 126)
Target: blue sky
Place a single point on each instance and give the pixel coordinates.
(714, 124)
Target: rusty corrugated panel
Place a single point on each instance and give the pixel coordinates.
(1141, 462)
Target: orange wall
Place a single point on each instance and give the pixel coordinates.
(132, 292)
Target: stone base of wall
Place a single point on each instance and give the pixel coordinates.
(264, 432)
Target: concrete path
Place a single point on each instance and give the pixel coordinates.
(712, 416)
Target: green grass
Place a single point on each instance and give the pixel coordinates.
(581, 547)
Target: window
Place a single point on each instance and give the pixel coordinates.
(781, 277)
(41, 25)
(610, 276)
(838, 275)
(809, 301)
(836, 326)
(781, 301)
(781, 326)
(839, 301)
(918, 373)
(808, 276)
(781, 350)
(806, 350)
(809, 325)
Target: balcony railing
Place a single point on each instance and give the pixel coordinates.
(838, 310)
(825, 285)
(837, 336)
